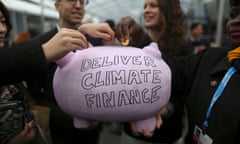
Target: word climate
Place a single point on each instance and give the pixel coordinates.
(120, 80)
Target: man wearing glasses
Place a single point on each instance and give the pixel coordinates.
(71, 13)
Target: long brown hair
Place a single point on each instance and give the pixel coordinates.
(172, 38)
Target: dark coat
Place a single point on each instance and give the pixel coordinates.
(196, 79)
(21, 62)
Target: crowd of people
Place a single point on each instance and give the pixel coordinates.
(204, 79)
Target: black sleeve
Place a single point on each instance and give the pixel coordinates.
(21, 62)
(146, 41)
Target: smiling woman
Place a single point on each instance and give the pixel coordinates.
(163, 20)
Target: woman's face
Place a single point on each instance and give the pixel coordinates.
(151, 13)
(233, 26)
(3, 29)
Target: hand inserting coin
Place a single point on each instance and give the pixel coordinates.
(125, 41)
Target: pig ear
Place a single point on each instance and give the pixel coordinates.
(65, 60)
(153, 50)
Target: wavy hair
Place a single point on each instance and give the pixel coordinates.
(171, 38)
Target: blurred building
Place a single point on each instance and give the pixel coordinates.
(34, 15)
(40, 15)
(208, 13)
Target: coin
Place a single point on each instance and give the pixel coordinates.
(125, 42)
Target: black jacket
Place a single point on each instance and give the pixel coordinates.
(195, 79)
(21, 62)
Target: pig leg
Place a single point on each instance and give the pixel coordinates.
(149, 124)
(81, 123)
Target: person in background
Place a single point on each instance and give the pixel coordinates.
(208, 83)
(71, 13)
(163, 20)
(196, 41)
(22, 37)
(24, 130)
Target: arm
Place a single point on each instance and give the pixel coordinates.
(30, 60)
(17, 63)
(128, 28)
(99, 30)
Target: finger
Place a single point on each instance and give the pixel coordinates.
(164, 111)
(159, 121)
(104, 35)
(29, 126)
(25, 131)
(77, 47)
(147, 133)
(77, 35)
(125, 29)
(134, 129)
(80, 42)
(119, 31)
(111, 34)
(72, 33)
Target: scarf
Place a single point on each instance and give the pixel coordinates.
(234, 57)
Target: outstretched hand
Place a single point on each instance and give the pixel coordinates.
(145, 132)
(98, 30)
(26, 135)
(64, 41)
(128, 28)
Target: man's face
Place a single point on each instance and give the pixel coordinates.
(197, 32)
(71, 12)
(233, 25)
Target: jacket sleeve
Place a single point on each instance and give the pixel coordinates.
(21, 62)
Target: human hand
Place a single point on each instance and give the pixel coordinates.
(98, 30)
(26, 135)
(145, 132)
(129, 29)
(63, 42)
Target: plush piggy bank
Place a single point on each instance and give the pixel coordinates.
(113, 83)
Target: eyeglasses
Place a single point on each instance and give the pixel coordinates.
(82, 2)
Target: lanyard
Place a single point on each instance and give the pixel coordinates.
(218, 93)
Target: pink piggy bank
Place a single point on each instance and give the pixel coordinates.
(113, 83)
